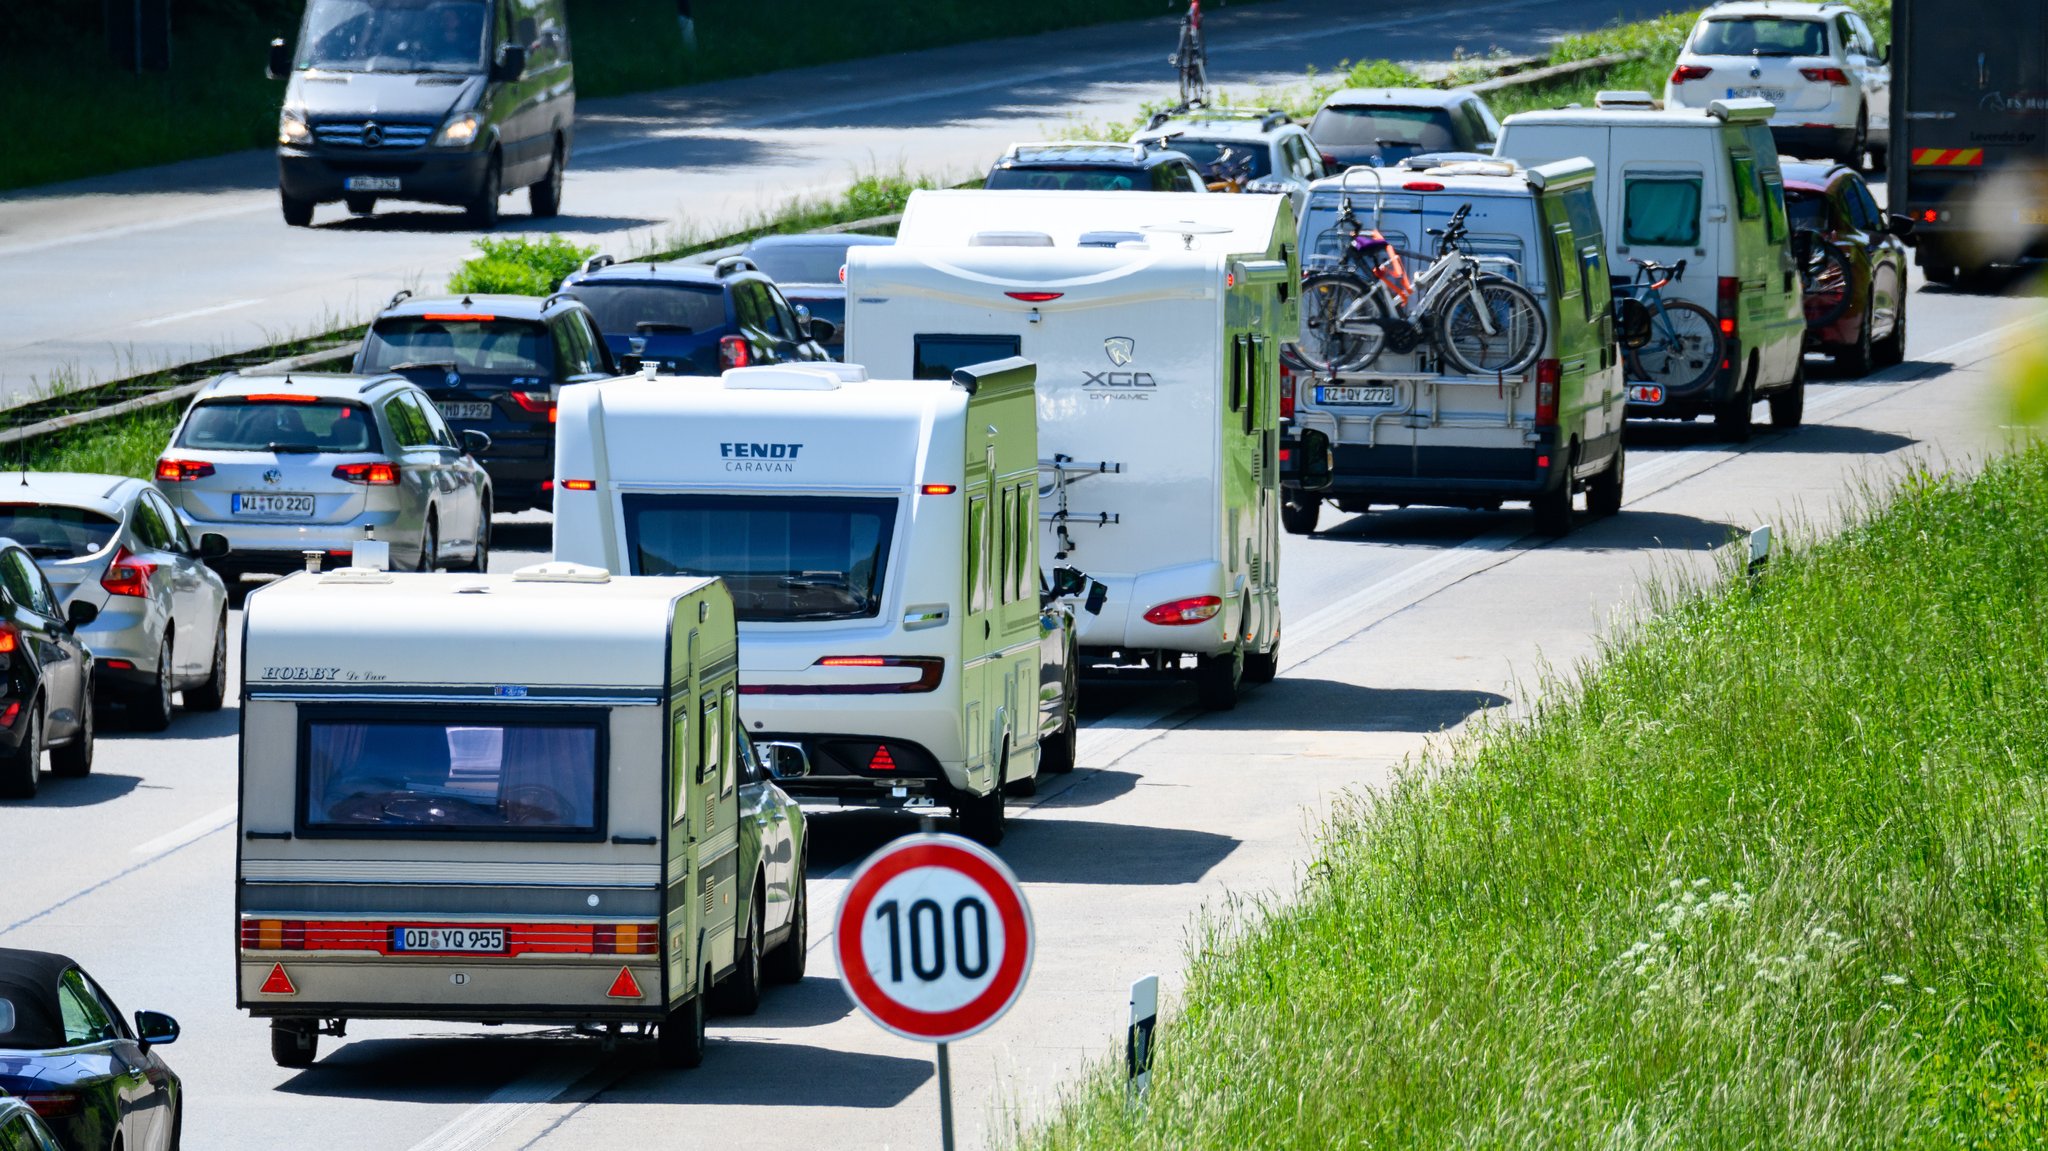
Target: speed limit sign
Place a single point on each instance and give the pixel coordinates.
(934, 938)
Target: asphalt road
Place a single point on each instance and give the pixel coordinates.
(104, 277)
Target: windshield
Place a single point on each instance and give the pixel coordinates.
(1064, 178)
(1413, 130)
(1762, 36)
(637, 309)
(471, 345)
(50, 532)
(473, 775)
(278, 426)
(1220, 158)
(394, 35)
(785, 558)
(800, 263)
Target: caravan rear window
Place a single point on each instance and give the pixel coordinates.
(785, 558)
(1662, 211)
(938, 357)
(462, 776)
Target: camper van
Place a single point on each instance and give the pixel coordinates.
(1702, 187)
(876, 535)
(521, 798)
(1156, 322)
(1410, 429)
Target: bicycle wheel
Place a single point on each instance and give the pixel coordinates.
(1339, 328)
(1826, 278)
(1684, 349)
(1519, 328)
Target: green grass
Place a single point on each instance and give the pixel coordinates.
(518, 265)
(1775, 875)
(124, 446)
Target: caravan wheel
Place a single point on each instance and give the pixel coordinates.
(981, 817)
(1217, 678)
(294, 1044)
(1264, 667)
(680, 1040)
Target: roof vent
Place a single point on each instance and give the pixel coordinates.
(561, 571)
(1009, 240)
(357, 576)
(782, 378)
(1111, 239)
(1625, 101)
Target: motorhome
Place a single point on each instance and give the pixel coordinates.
(522, 798)
(1703, 187)
(876, 535)
(1155, 321)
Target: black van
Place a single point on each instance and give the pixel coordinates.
(440, 101)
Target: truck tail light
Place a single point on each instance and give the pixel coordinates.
(127, 575)
(1834, 76)
(1286, 391)
(1549, 375)
(1685, 73)
(172, 471)
(733, 352)
(369, 475)
(273, 935)
(1194, 609)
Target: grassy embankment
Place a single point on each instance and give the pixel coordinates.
(72, 113)
(1774, 875)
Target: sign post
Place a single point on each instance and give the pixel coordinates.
(1138, 1040)
(934, 943)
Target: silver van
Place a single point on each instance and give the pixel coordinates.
(438, 101)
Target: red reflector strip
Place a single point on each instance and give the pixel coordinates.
(625, 986)
(1034, 297)
(1948, 157)
(278, 983)
(882, 760)
(460, 317)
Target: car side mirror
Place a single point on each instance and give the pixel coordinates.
(784, 760)
(1901, 225)
(79, 613)
(154, 1027)
(213, 545)
(280, 63)
(1631, 322)
(822, 330)
(511, 62)
(474, 442)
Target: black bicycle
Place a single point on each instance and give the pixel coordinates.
(1191, 59)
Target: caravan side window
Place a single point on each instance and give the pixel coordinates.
(1774, 209)
(1749, 192)
(710, 740)
(977, 555)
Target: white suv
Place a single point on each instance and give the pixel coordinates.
(1264, 148)
(1816, 62)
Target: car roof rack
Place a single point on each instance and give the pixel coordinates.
(401, 296)
(732, 264)
(553, 298)
(598, 261)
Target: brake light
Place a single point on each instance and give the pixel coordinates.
(1929, 216)
(1727, 295)
(537, 403)
(1687, 72)
(127, 575)
(1422, 186)
(178, 471)
(12, 713)
(369, 475)
(1194, 609)
(1549, 374)
(459, 317)
(1286, 391)
(579, 485)
(853, 661)
(1034, 297)
(734, 352)
(1834, 76)
(280, 398)
(10, 639)
(273, 935)
(626, 939)
(52, 1104)
(842, 273)
(937, 489)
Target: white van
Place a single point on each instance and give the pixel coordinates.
(877, 537)
(1702, 187)
(1156, 324)
(1410, 429)
(520, 798)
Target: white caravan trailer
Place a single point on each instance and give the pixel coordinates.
(1156, 322)
(518, 798)
(877, 538)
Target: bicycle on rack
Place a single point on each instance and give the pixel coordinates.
(1191, 58)
(1824, 277)
(1684, 348)
(1481, 322)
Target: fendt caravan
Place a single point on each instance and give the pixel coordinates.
(1156, 323)
(520, 798)
(877, 538)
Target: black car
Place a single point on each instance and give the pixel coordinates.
(68, 1052)
(810, 271)
(696, 319)
(1384, 126)
(45, 678)
(492, 364)
(1083, 166)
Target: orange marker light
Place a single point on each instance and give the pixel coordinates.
(938, 489)
(580, 485)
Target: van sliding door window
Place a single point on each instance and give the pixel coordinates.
(979, 598)
(937, 357)
(1749, 190)
(1661, 211)
(784, 558)
(478, 776)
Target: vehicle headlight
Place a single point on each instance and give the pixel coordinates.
(460, 129)
(291, 128)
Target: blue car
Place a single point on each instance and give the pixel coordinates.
(22, 1130)
(68, 1053)
(695, 319)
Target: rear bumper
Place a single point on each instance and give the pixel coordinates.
(555, 989)
(1450, 476)
(428, 175)
(842, 770)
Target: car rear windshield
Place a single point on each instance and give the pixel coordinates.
(679, 309)
(1418, 129)
(1809, 210)
(1220, 158)
(473, 344)
(785, 558)
(477, 776)
(1069, 178)
(800, 263)
(49, 531)
(1762, 36)
(234, 425)
(394, 35)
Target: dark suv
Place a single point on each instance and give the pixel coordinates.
(695, 319)
(494, 364)
(1091, 167)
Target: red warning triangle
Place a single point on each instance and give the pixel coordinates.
(278, 983)
(625, 986)
(882, 760)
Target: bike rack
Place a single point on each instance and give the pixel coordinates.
(1063, 472)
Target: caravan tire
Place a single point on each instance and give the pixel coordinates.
(679, 1042)
(785, 964)
(1264, 667)
(293, 1044)
(740, 994)
(1299, 513)
(1217, 678)
(981, 817)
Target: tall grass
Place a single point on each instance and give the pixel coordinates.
(124, 446)
(1774, 876)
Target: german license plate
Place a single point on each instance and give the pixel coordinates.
(466, 939)
(272, 504)
(1348, 394)
(1774, 95)
(465, 411)
(371, 183)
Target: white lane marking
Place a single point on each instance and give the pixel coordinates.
(1118, 734)
(203, 826)
(1369, 605)
(119, 230)
(479, 1125)
(195, 313)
